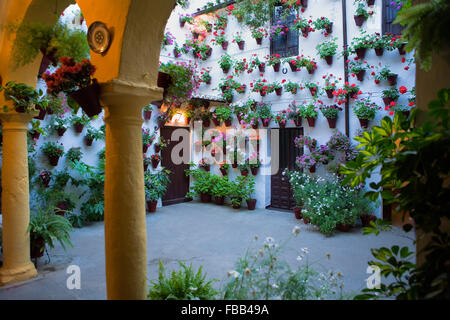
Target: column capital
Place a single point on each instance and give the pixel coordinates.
(15, 121)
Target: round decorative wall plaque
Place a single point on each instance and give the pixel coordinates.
(99, 37)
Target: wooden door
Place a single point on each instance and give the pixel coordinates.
(179, 183)
(281, 192)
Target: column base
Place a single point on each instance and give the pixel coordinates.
(9, 276)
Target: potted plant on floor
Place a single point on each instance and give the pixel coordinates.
(365, 110)
(248, 190)
(331, 113)
(220, 189)
(202, 185)
(76, 80)
(326, 50)
(53, 151)
(79, 122)
(45, 227)
(155, 187)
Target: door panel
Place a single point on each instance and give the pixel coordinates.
(179, 183)
(281, 192)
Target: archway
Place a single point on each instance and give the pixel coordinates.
(127, 73)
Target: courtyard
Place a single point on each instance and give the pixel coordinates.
(208, 235)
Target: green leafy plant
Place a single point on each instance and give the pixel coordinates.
(327, 48)
(365, 109)
(223, 113)
(74, 154)
(184, 284)
(156, 184)
(51, 149)
(183, 83)
(23, 96)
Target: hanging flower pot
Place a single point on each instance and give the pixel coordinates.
(151, 205)
(312, 169)
(225, 45)
(219, 200)
(343, 227)
(145, 166)
(216, 122)
(370, 2)
(282, 124)
(313, 91)
(332, 123)
(359, 20)
(42, 113)
(87, 98)
(255, 126)
(205, 198)
(262, 67)
(206, 167)
(244, 172)
(224, 172)
(234, 164)
(78, 127)
(293, 67)
(406, 113)
(37, 247)
(61, 131)
(266, 122)
(279, 91)
(35, 135)
(379, 51)
(304, 3)
(259, 41)
(251, 204)
(254, 170)
(176, 53)
(305, 32)
(364, 123)
(45, 180)
(392, 79)
(298, 122)
(329, 93)
(155, 163)
(311, 71)
(360, 75)
(228, 122)
(329, 28)
(208, 52)
(262, 93)
(88, 141)
(53, 160)
(147, 114)
(276, 67)
(311, 122)
(241, 45)
(329, 60)
(182, 23)
(206, 123)
(145, 148)
(298, 212)
(401, 49)
(361, 52)
(226, 70)
(387, 101)
(157, 147)
(195, 35)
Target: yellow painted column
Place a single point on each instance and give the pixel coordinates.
(17, 265)
(125, 224)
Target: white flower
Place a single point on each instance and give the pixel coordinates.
(233, 273)
(296, 230)
(275, 286)
(305, 250)
(269, 240)
(299, 258)
(192, 288)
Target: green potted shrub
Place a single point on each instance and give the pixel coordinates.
(220, 189)
(25, 98)
(155, 187)
(327, 50)
(202, 185)
(53, 151)
(45, 228)
(249, 189)
(223, 114)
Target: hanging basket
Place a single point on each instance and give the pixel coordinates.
(37, 247)
(343, 227)
(87, 98)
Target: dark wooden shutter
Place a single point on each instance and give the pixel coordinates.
(285, 45)
(389, 15)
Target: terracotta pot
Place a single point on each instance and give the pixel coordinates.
(282, 124)
(332, 123)
(259, 41)
(78, 127)
(255, 126)
(366, 218)
(205, 198)
(144, 148)
(234, 165)
(207, 167)
(401, 49)
(359, 20)
(298, 122)
(163, 80)
(53, 160)
(244, 172)
(61, 132)
(206, 123)
(155, 163)
(370, 2)
(392, 79)
(224, 172)
(228, 122)
(293, 67)
(329, 60)
(219, 200)
(254, 170)
(311, 122)
(361, 52)
(313, 91)
(298, 212)
(42, 113)
(276, 67)
(312, 169)
(364, 123)
(379, 51)
(216, 122)
(279, 91)
(329, 28)
(251, 204)
(87, 98)
(360, 75)
(265, 122)
(35, 135)
(147, 114)
(37, 247)
(88, 141)
(304, 3)
(306, 220)
(151, 206)
(387, 101)
(343, 227)
(311, 71)
(241, 45)
(262, 67)
(225, 45)
(329, 93)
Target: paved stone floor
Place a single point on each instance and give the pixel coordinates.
(208, 235)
